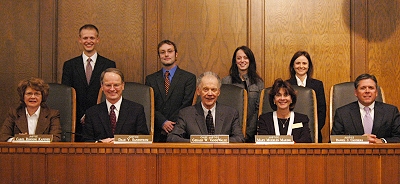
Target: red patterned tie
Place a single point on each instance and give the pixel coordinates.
(113, 118)
(166, 82)
(89, 70)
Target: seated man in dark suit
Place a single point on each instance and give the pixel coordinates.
(198, 119)
(116, 115)
(380, 122)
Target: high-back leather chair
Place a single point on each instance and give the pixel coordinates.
(140, 94)
(342, 94)
(306, 104)
(63, 98)
(235, 97)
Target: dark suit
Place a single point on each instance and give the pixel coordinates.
(180, 95)
(302, 134)
(386, 123)
(86, 94)
(318, 87)
(131, 121)
(16, 123)
(191, 121)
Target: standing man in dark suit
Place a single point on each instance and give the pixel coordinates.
(83, 73)
(207, 116)
(171, 93)
(116, 115)
(380, 122)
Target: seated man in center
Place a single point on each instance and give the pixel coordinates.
(116, 115)
(198, 119)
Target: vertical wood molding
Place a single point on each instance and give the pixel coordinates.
(152, 35)
(47, 40)
(359, 35)
(256, 32)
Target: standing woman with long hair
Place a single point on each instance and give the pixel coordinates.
(301, 69)
(243, 73)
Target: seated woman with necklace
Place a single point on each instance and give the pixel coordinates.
(283, 121)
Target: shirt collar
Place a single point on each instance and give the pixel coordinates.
(301, 83)
(171, 71)
(85, 57)
(37, 112)
(370, 106)
(117, 104)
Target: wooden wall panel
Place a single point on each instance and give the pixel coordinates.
(383, 46)
(206, 32)
(120, 24)
(19, 48)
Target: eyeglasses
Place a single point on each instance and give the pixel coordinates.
(109, 86)
(29, 94)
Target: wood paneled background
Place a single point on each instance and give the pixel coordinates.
(344, 37)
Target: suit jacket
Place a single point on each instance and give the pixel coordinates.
(318, 87)
(131, 121)
(86, 94)
(191, 121)
(180, 95)
(386, 123)
(253, 93)
(16, 123)
(266, 127)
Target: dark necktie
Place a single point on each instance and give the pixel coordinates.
(166, 82)
(368, 122)
(89, 70)
(210, 124)
(113, 118)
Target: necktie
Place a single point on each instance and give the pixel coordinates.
(89, 70)
(166, 82)
(113, 118)
(368, 122)
(210, 124)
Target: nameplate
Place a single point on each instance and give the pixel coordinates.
(209, 139)
(349, 139)
(133, 139)
(40, 138)
(274, 139)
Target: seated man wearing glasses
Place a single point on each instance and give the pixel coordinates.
(116, 115)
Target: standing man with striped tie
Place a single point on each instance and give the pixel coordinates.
(83, 73)
(207, 117)
(173, 90)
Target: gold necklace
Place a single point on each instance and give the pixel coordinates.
(283, 123)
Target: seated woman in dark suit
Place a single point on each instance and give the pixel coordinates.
(32, 116)
(283, 121)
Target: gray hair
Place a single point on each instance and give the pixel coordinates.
(209, 73)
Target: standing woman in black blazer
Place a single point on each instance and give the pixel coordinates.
(301, 69)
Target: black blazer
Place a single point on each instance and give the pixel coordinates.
(266, 127)
(180, 95)
(192, 122)
(386, 124)
(131, 121)
(74, 75)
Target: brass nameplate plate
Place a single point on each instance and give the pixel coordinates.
(133, 139)
(349, 139)
(209, 139)
(274, 139)
(41, 138)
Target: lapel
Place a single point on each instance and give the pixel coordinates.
(21, 122)
(378, 118)
(105, 118)
(160, 84)
(79, 68)
(97, 68)
(42, 123)
(219, 119)
(355, 116)
(175, 81)
(121, 117)
(200, 119)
